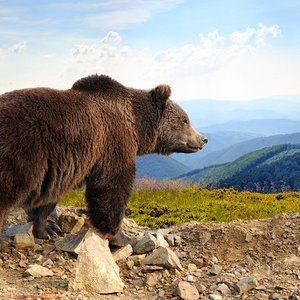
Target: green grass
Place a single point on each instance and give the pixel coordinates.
(162, 208)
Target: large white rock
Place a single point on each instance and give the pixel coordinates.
(95, 269)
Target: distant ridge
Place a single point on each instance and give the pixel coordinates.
(206, 112)
(235, 151)
(258, 126)
(270, 169)
(159, 167)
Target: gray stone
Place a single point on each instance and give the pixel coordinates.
(223, 289)
(189, 278)
(18, 254)
(146, 244)
(192, 268)
(170, 238)
(187, 291)
(164, 257)
(215, 297)
(130, 264)
(248, 237)
(261, 272)
(200, 287)
(72, 242)
(95, 269)
(15, 229)
(138, 260)
(24, 241)
(122, 253)
(38, 271)
(78, 226)
(67, 222)
(23, 237)
(151, 280)
(214, 270)
(246, 284)
(47, 262)
(160, 241)
(147, 269)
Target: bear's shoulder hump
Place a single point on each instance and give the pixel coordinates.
(96, 83)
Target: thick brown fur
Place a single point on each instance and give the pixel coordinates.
(52, 140)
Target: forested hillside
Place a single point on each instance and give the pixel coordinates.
(270, 169)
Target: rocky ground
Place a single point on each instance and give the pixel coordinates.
(242, 260)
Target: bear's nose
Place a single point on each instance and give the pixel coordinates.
(204, 139)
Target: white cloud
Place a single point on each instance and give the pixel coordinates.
(257, 37)
(108, 53)
(217, 66)
(17, 48)
(49, 55)
(215, 49)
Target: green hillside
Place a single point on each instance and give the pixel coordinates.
(270, 169)
(232, 152)
(159, 167)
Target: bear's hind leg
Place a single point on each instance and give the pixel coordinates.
(42, 227)
(3, 217)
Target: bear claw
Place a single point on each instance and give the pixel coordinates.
(50, 231)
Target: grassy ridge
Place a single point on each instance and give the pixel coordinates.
(162, 208)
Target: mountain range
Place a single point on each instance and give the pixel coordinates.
(159, 167)
(228, 154)
(270, 169)
(207, 112)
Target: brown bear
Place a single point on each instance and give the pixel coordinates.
(51, 140)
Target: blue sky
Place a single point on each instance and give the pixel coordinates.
(233, 49)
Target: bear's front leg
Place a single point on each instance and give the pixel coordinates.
(107, 198)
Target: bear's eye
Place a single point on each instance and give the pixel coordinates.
(185, 121)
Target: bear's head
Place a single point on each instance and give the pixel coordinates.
(175, 132)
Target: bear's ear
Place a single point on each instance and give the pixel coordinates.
(161, 92)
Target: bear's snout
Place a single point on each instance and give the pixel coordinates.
(196, 142)
(204, 140)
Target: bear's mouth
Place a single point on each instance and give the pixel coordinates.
(185, 148)
(194, 148)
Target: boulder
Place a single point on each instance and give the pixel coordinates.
(96, 270)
